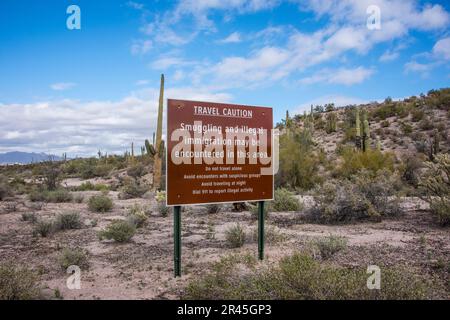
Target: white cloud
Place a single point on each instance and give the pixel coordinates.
(82, 128)
(423, 68)
(140, 47)
(61, 86)
(166, 62)
(340, 76)
(442, 49)
(389, 55)
(338, 100)
(235, 37)
(142, 82)
(135, 5)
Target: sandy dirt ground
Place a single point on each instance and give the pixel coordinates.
(143, 268)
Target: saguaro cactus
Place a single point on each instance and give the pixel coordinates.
(157, 166)
(366, 133)
(358, 130)
(150, 149)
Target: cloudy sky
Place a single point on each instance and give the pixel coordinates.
(78, 91)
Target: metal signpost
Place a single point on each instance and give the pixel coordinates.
(217, 153)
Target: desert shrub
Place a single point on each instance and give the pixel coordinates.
(298, 167)
(371, 160)
(417, 115)
(74, 257)
(410, 170)
(52, 175)
(119, 231)
(29, 216)
(137, 216)
(100, 203)
(78, 198)
(163, 209)
(102, 170)
(213, 208)
(382, 191)
(37, 195)
(235, 236)
(300, 277)
(426, 124)
(385, 124)
(58, 196)
(89, 186)
(5, 190)
(54, 196)
(406, 128)
(131, 190)
(18, 283)
(271, 235)
(68, 220)
(435, 184)
(330, 245)
(43, 228)
(254, 210)
(136, 171)
(284, 200)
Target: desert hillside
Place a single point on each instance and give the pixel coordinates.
(357, 186)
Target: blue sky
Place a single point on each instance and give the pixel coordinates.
(96, 88)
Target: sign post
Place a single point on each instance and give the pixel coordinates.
(177, 240)
(217, 153)
(261, 218)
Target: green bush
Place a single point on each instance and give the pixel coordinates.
(18, 283)
(284, 200)
(5, 190)
(330, 245)
(371, 160)
(29, 216)
(55, 196)
(131, 190)
(137, 217)
(136, 171)
(58, 196)
(300, 277)
(417, 115)
(43, 228)
(119, 231)
(235, 236)
(74, 257)
(68, 220)
(213, 208)
(163, 209)
(89, 186)
(435, 184)
(100, 203)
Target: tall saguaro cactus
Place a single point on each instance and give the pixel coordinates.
(157, 166)
(366, 133)
(358, 130)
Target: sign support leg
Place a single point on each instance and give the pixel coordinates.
(261, 230)
(177, 240)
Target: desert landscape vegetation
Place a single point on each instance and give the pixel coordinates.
(357, 186)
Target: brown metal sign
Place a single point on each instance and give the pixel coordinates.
(218, 153)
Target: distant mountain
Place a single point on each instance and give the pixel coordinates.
(25, 157)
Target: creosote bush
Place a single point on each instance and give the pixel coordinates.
(43, 228)
(74, 257)
(284, 200)
(361, 198)
(18, 283)
(300, 277)
(132, 189)
(29, 216)
(330, 245)
(137, 216)
(213, 208)
(54, 196)
(5, 190)
(435, 183)
(235, 236)
(68, 220)
(119, 231)
(100, 203)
